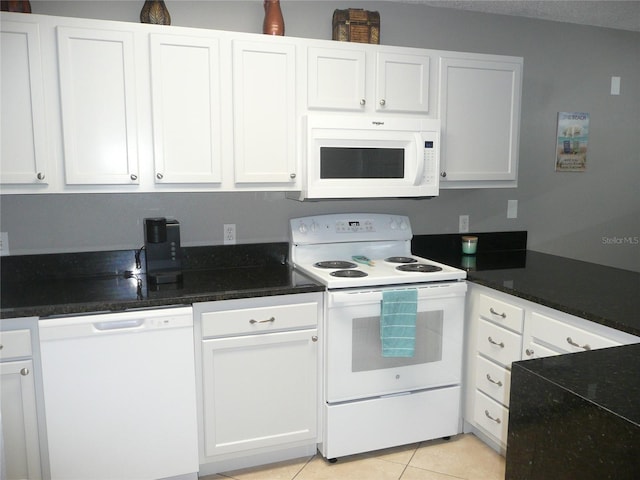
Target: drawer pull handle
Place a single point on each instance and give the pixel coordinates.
(498, 383)
(268, 320)
(497, 420)
(529, 352)
(493, 342)
(571, 342)
(503, 315)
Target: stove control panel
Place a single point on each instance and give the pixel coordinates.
(335, 228)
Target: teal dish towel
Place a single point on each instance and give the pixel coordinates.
(398, 322)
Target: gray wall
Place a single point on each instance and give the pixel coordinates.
(593, 216)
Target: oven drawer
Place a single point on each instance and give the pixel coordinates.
(502, 313)
(491, 416)
(493, 380)
(498, 343)
(564, 337)
(266, 319)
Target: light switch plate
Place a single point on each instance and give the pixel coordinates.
(512, 208)
(4, 243)
(463, 224)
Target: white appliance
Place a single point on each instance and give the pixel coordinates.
(370, 157)
(371, 401)
(120, 395)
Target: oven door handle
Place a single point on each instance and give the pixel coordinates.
(361, 297)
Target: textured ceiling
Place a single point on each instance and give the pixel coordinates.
(622, 15)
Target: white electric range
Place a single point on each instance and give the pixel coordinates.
(370, 400)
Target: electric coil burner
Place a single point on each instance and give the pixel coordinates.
(373, 400)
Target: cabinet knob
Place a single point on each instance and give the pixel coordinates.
(24, 372)
(159, 176)
(529, 352)
(40, 176)
(314, 338)
(292, 176)
(443, 174)
(134, 177)
(363, 101)
(383, 102)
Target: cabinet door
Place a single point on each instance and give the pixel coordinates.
(259, 390)
(336, 79)
(96, 69)
(185, 82)
(23, 127)
(19, 421)
(402, 83)
(480, 115)
(264, 113)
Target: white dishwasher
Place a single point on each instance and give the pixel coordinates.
(119, 391)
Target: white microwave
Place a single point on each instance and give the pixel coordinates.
(349, 156)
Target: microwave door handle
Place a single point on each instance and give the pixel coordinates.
(419, 159)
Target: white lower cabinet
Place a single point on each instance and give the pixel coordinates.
(258, 395)
(20, 419)
(502, 329)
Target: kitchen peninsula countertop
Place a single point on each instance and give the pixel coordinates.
(605, 295)
(587, 401)
(93, 282)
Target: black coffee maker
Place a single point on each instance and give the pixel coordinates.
(163, 252)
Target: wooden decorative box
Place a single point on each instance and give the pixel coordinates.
(356, 25)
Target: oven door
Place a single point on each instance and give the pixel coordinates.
(356, 368)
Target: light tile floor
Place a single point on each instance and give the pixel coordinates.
(462, 457)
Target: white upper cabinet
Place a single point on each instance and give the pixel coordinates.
(23, 155)
(402, 83)
(264, 113)
(336, 79)
(363, 78)
(480, 113)
(185, 84)
(97, 83)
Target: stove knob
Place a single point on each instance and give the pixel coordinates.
(403, 225)
(303, 228)
(393, 225)
(314, 226)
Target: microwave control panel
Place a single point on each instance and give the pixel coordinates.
(430, 167)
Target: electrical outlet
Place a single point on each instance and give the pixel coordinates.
(229, 233)
(463, 224)
(512, 208)
(4, 243)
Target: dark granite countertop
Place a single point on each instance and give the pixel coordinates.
(605, 295)
(66, 284)
(607, 378)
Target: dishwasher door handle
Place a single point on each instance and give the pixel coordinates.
(119, 324)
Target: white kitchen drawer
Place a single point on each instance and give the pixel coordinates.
(503, 313)
(259, 320)
(498, 343)
(567, 338)
(491, 416)
(535, 350)
(15, 343)
(493, 380)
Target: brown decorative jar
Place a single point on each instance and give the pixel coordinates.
(273, 20)
(155, 11)
(20, 6)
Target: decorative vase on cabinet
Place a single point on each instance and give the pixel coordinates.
(273, 20)
(155, 11)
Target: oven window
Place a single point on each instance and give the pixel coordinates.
(367, 348)
(344, 162)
